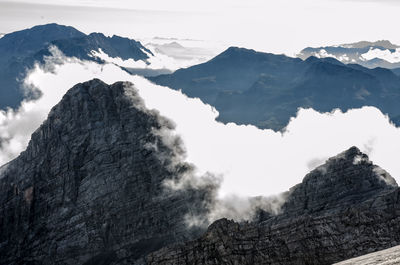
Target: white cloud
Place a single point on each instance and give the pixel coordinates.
(157, 61)
(252, 161)
(387, 55)
(323, 54)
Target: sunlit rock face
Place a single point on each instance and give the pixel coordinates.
(345, 208)
(89, 189)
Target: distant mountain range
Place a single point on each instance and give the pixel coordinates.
(182, 53)
(20, 50)
(263, 89)
(245, 86)
(369, 54)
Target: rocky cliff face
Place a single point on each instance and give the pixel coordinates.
(345, 208)
(89, 188)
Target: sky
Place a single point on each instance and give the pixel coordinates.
(284, 26)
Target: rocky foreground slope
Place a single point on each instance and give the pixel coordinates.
(390, 256)
(89, 188)
(345, 208)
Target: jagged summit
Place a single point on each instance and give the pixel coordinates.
(346, 179)
(345, 208)
(90, 185)
(265, 90)
(18, 51)
(246, 54)
(23, 42)
(114, 46)
(22, 49)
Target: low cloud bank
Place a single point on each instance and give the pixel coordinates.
(248, 161)
(167, 55)
(387, 55)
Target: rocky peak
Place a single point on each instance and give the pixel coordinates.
(90, 189)
(346, 208)
(345, 179)
(24, 42)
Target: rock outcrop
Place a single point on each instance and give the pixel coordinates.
(345, 208)
(390, 256)
(89, 189)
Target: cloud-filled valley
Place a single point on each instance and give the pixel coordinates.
(251, 161)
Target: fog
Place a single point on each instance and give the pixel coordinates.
(285, 26)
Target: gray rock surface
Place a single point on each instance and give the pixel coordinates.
(390, 256)
(89, 187)
(345, 208)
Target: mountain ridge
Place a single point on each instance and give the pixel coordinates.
(368, 54)
(89, 188)
(312, 227)
(22, 49)
(266, 90)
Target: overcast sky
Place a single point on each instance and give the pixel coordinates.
(283, 26)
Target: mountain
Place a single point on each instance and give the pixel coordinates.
(249, 87)
(16, 48)
(89, 189)
(342, 209)
(182, 53)
(396, 71)
(29, 41)
(21, 49)
(369, 54)
(114, 46)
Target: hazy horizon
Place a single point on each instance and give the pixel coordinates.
(284, 27)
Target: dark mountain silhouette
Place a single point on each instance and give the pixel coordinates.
(345, 208)
(249, 87)
(89, 189)
(21, 49)
(114, 46)
(17, 50)
(29, 41)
